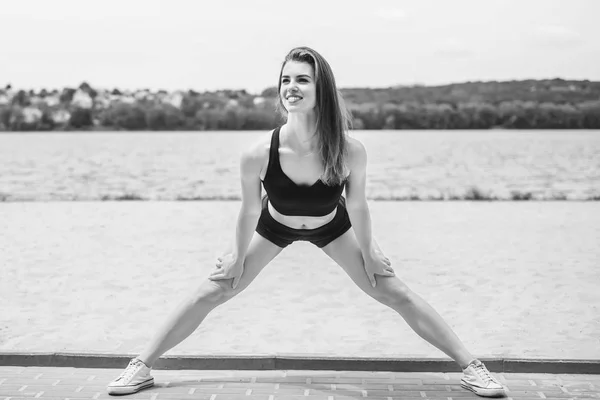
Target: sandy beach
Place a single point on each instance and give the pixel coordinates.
(512, 279)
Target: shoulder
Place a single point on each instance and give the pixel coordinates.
(255, 155)
(357, 153)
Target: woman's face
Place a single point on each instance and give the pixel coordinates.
(298, 90)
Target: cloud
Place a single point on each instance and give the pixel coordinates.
(76, 9)
(391, 14)
(452, 48)
(557, 35)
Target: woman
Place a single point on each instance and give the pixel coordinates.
(304, 166)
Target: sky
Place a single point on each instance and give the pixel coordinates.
(240, 44)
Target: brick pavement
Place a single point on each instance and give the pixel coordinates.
(86, 383)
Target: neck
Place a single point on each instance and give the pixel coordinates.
(302, 129)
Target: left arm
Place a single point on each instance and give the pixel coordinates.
(356, 198)
(356, 203)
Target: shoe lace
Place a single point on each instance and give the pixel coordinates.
(483, 373)
(130, 370)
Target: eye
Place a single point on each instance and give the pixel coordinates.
(285, 80)
(302, 80)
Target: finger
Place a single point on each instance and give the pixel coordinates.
(236, 280)
(219, 273)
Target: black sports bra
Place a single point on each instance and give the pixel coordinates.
(288, 198)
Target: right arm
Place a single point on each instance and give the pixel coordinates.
(250, 166)
(231, 265)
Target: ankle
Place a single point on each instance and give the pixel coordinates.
(465, 366)
(146, 363)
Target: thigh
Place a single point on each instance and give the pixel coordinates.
(346, 252)
(260, 252)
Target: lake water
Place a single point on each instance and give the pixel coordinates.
(204, 165)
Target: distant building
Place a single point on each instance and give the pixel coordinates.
(143, 95)
(82, 99)
(128, 99)
(570, 88)
(36, 101)
(102, 100)
(61, 116)
(175, 99)
(232, 103)
(52, 100)
(31, 115)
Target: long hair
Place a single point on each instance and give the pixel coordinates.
(333, 118)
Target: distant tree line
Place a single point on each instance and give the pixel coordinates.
(544, 104)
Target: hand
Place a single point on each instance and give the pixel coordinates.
(376, 263)
(228, 267)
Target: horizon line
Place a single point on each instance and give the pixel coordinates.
(411, 85)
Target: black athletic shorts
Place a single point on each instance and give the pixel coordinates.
(282, 235)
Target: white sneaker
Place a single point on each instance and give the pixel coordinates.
(135, 378)
(478, 379)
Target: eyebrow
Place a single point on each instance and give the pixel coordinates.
(298, 76)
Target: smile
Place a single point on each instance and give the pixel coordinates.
(294, 99)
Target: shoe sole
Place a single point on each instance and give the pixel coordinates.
(122, 390)
(484, 392)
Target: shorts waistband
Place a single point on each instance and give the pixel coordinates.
(338, 216)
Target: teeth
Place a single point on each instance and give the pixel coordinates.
(293, 98)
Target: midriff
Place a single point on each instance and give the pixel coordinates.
(300, 222)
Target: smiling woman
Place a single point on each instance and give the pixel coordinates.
(299, 95)
(304, 202)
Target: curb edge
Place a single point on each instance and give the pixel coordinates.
(281, 361)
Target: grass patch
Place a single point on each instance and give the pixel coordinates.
(559, 197)
(521, 196)
(231, 197)
(123, 197)
(476, 194)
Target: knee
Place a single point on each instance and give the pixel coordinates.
(391, 292)
(215, 292)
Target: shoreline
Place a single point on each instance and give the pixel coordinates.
(473, 194)
(135, 198)
(112, 129)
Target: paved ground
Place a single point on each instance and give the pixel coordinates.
(69, 383)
